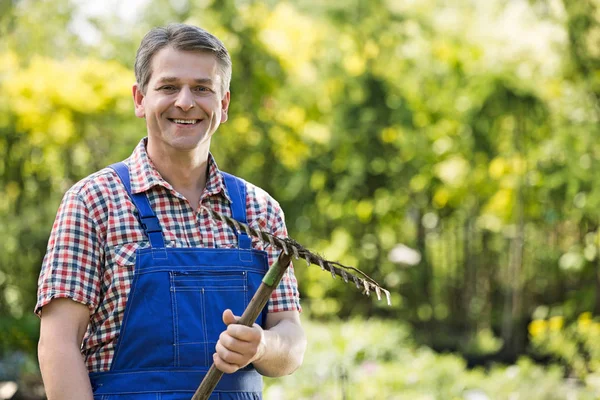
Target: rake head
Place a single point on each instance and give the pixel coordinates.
(291, 247)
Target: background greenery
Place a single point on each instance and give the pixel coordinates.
(464, 130)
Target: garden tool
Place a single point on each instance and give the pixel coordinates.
(289, 248)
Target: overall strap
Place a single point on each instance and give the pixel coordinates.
(236, 188)
(147, 216)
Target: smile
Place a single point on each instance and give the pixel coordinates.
(185, 121)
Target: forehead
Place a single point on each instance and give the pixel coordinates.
(184, 65)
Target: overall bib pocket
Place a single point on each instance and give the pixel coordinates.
(194, 295)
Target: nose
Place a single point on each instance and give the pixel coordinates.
(185, 99)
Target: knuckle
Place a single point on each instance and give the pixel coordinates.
(228, 342)
(225, 354)
(233, 329)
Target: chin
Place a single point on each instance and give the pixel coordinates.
(187, 143)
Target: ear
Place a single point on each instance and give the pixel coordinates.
(225, 106)
(138, 102)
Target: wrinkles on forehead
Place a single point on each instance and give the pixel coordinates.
(213, 79)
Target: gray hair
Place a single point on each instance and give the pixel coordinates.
(180, 37)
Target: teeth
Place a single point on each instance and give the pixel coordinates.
(185, 121)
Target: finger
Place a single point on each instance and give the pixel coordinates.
(245, 333)
(246, 349)
(229, 318)
(224, 366)
(231, 356)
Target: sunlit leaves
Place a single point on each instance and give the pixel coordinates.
(292, 37)
(47, 93)
(59, 117)
(375, 123)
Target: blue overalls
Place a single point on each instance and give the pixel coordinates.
(173, 316)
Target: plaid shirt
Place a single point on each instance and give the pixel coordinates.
(91, 252)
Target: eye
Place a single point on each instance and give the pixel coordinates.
(202, 89)
(167, 88)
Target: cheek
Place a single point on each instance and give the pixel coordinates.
(157, 105)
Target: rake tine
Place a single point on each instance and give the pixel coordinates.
(321, 264)
(332, 270)
(345, 276)
(289, 246)
(366, 285)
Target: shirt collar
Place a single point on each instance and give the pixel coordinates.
(143, 174)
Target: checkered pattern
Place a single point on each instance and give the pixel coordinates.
(91, 252)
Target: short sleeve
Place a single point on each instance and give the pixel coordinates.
(73, 260)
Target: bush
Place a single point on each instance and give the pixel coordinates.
(374, 359)
(576, 346)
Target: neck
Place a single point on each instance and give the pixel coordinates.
(185, 170)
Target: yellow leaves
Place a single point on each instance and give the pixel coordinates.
(498, 168)
(501, 203)
(354, 64)
(537, 327)
(507, 171)
(8, 62)
(294, 134)
(592, 42)
(452, 171)
(501, 167)
(82, 85)
(296, 39)
(61, 126)
(441, 197)
(316, 132)
(47, 94)
(292, 37)
(556, 323)
(443, 51)
(585, 325)
(241, 124)
(553, 89)
(584, 321)
(364, 210)
(290, 150)
(390, 134)
(519, 165)
(355, 58)
(294, 117)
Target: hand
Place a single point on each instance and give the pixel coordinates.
(238, 345)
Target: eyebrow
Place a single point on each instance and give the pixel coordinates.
(172, 79)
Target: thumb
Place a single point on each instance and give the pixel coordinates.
(229, 318)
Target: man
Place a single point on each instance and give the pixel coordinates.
(140, 288)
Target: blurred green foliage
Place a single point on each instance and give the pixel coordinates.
(374, 359)
(467, 133)
(575, 346)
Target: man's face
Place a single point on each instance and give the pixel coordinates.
(183, 104)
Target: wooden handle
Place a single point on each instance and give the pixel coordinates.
(255, 307)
